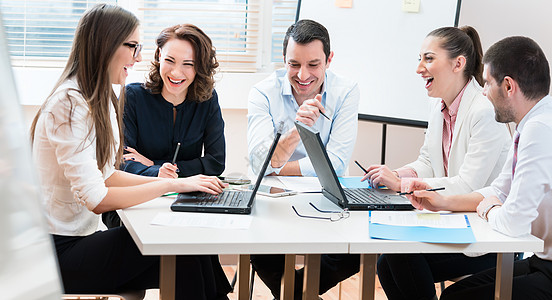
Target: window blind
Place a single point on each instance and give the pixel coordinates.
(40, 33)
(232, 25)
(283, 15)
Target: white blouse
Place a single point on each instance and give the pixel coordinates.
(65, 156)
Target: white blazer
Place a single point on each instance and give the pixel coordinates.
(478, 150)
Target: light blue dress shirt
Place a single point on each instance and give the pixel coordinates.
(271, 101)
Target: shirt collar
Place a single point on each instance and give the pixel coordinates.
(543, 101)
(287, 89)
(453, 109)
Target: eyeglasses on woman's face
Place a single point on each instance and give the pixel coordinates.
(137, 48)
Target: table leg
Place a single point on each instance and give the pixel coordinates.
(368, 276)
(288, 280)
(243, 277)
(167, 275)
(504, 276)
(311, 281)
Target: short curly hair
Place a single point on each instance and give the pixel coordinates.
(205, 61)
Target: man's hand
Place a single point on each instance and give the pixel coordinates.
(485, 204)
(310, 110)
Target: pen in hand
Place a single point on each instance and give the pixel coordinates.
(358, 164)
(365, 172)
(324, 115)
(429, 190)
(175, 153)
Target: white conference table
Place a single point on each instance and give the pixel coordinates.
(276, 229)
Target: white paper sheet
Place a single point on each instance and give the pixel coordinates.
(208, 220)
(410, 218)
(301, 184)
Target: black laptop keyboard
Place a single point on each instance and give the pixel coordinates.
(361, 196)
(227, 198)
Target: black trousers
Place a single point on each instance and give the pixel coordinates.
(413, 276)
(111, 219)
(532, 280)
(334, 268)
(109, 262)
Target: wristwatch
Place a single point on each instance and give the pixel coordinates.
(487, 210)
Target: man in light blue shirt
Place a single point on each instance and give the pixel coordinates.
(300, 92)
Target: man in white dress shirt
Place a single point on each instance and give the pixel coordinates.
(519, 200)
(301, 91)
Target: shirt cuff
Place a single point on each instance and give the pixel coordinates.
(491, 215)
(406, 172)
(275, 170)
(486, 192)
(306, 167)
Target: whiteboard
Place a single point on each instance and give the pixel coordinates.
(377, 45)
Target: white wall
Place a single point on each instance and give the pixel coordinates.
(497, 19)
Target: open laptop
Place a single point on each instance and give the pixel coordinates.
(229, 201)
(353, 199)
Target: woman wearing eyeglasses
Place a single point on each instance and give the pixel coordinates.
(76, 145)
(177, 104)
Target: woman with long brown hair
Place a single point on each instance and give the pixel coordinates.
(76, 146)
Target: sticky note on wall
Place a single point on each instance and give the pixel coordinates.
(412, 6)
(344, 3)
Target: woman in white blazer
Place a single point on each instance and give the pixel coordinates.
(477, 151)
(464, 150)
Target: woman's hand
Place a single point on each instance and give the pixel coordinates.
(133, 155)
(201, 183)
(168, 170)
(382, 175)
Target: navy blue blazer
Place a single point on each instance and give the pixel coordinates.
(149, 128)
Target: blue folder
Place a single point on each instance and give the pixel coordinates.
(422, 234)
(353, 182)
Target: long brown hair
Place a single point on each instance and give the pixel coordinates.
(463, 41)
(205, 61)
(100, 32)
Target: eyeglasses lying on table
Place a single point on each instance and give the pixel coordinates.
(334, 217)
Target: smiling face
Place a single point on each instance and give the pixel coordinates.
(176, 67)
(306, 68)
(123, 59)
(437, 69)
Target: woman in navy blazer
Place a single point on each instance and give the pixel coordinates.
(177, 104)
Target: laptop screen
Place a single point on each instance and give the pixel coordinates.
(322, 164)
(267, 161)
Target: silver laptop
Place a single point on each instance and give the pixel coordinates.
(353, 199)
(229, 201)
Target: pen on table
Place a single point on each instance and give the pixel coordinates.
(324, 115)
(176, 153)
(429, 190)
